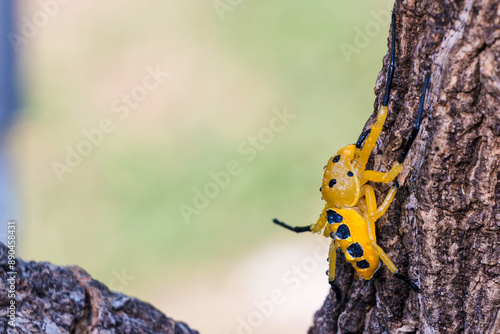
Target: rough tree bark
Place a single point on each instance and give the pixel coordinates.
(442, 228)
(57, 300)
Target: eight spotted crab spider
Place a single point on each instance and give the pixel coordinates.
(351, 206)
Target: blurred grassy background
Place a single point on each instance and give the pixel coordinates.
(118, 212)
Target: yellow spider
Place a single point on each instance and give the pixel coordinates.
(351, 206)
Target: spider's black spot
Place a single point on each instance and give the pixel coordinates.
(343, 232)
(332, 235)
(321, 189)
(363, 264)
(333, 217)
(350, 174)
(355, 250)
(336, 158)
(327, 272)
(332, 183)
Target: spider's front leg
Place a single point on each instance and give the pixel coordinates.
(371, 141)
(320, 224)
(363, 154)
(370, 175)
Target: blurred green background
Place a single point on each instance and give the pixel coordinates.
(117, 214)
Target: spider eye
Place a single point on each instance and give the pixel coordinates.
(336, 158)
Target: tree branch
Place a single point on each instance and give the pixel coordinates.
(52, 299)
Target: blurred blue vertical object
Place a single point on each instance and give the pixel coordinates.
(9, 104)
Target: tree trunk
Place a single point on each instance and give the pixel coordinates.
(39, 297)
(442, 228)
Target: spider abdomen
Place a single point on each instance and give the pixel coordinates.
(350, 232)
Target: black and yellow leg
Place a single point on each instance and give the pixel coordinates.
(409, 282)
(372, 211)
(393, 268)
(371, 234)
(298, 229)
(416, 127)
(332, 257)
(371, 201)
(371, 141)
(373, 134)
(370, 175)
(320, 224)
(362, 138)
(374, 176)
